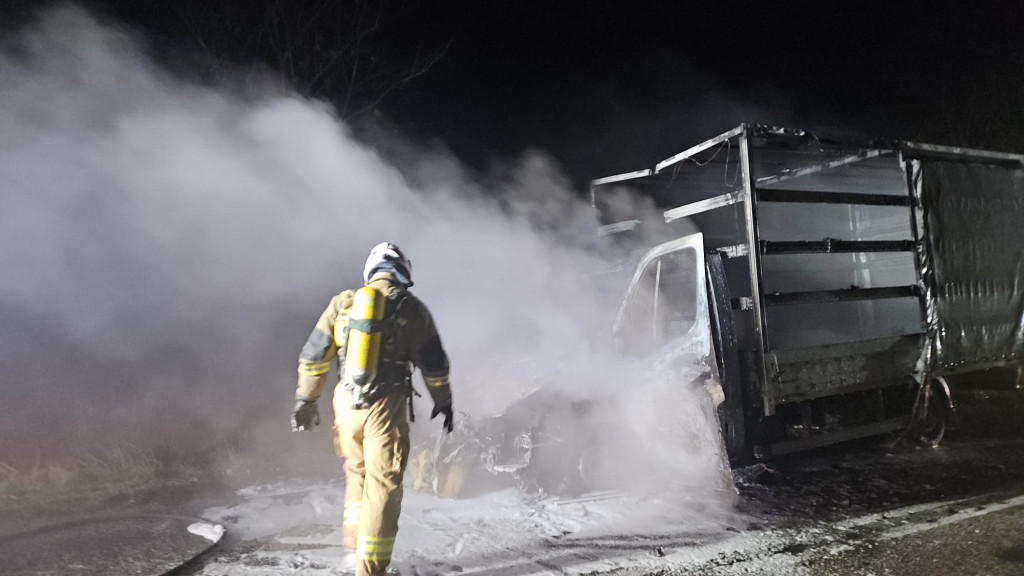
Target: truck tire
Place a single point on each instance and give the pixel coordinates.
(930, 427)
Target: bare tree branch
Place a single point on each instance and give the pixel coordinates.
(353, 53)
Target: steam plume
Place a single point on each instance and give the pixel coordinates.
(167, 246)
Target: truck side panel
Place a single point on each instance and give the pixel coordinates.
(809, 373)
(973, 261)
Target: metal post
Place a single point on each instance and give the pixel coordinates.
(921, 264)
(754, 257)
(657, 291)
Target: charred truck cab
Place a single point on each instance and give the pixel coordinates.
(838, 288)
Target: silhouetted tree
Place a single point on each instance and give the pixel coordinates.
(354, 53)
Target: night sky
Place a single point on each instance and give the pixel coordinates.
(590, 81)
(608, 86)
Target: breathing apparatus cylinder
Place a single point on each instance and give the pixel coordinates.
(364, 339)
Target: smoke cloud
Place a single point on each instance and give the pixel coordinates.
(167, 245)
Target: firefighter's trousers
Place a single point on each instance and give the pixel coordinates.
(375, 445)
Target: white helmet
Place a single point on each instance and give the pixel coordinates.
(390, 256)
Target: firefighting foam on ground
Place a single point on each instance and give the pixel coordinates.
(176, 239)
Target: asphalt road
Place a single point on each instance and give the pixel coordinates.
(886, 509)
(878, 508)
(988, 544)
(148, 545)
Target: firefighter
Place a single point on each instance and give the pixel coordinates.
(377, 335)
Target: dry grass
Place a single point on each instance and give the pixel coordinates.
(99, 481)
(123, 478)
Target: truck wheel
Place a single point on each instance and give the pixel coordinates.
(930, 429)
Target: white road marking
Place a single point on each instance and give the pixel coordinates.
(973, 512)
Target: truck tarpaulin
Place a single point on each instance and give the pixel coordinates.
(972, 261)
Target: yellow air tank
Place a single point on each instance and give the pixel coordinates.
(363, 352)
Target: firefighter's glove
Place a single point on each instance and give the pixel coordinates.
(305, 416)
(449, 421)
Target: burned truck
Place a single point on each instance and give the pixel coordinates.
(824, 290)
(845, 285)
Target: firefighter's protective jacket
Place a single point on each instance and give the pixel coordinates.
(412, 339)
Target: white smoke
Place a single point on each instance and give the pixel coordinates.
(166, 246)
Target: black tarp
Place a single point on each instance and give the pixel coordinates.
(972, 261)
